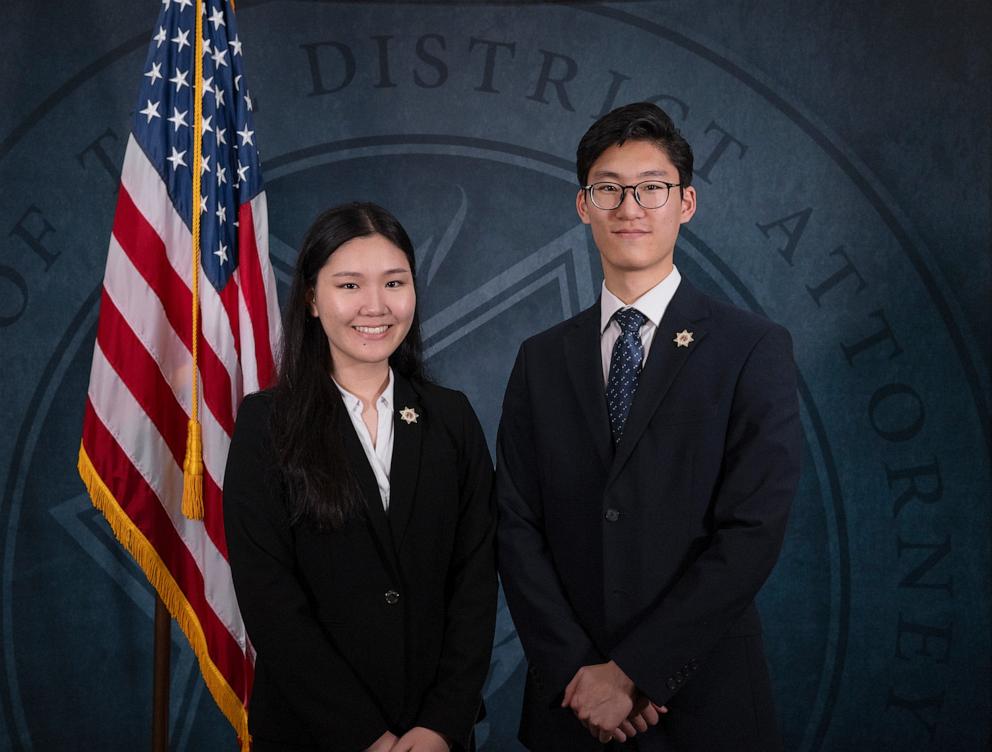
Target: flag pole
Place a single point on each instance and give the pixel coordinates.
(160, 677)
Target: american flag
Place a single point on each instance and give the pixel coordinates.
(140, 394)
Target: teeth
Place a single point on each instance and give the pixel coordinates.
(371, 329)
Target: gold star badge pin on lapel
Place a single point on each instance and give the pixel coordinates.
(683, 338)
(408, 415)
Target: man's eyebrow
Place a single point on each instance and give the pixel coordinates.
(616, 175)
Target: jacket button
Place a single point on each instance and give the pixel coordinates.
(612, 515)
(392, 597)
(672, 684)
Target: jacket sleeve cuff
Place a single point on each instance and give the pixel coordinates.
(450, 722)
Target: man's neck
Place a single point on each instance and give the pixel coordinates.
(629, 286)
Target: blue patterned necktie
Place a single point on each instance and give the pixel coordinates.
(625, 368)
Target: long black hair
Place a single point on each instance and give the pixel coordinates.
(306, 404)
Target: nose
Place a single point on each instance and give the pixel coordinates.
(629, 208)
(374, 302)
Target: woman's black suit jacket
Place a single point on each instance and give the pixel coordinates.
(388, 622)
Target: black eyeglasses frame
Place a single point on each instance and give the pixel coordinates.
(633, 188)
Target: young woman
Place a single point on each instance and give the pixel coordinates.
(358, 511)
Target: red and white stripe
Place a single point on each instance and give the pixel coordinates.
(139, 397)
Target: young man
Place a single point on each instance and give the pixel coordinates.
(647, 457)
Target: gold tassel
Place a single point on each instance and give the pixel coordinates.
(193, 473)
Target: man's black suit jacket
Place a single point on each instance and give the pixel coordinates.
(651, 553)
(388, 622)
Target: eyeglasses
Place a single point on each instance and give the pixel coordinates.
(650, 194)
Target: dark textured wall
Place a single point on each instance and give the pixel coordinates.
(843, 158)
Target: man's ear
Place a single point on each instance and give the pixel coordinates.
(581, 206)
(688, 204)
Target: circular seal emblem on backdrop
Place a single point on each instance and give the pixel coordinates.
(463, 121)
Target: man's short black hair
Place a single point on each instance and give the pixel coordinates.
(641, 121)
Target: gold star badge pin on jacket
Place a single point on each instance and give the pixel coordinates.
(683, 338)
(408, 415)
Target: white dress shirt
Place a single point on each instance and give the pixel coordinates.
(652, 304)
(380, 454)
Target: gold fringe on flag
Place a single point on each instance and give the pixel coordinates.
(193, 463)
(144, 553)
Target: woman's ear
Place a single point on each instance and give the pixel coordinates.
(312, 302)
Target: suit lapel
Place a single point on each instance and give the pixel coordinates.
(687, 311)
(359, 464)
(585, 368)
(405, 467)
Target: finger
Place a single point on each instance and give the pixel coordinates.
(660, 708)
(607, 736)
(650, 715)
(569, 691)
(640, 723)
(628, 729)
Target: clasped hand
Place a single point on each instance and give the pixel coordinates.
(607, 703)
(417, 739)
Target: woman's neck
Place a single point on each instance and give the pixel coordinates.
(367, 381)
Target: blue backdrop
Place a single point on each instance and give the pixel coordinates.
(843, 170)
